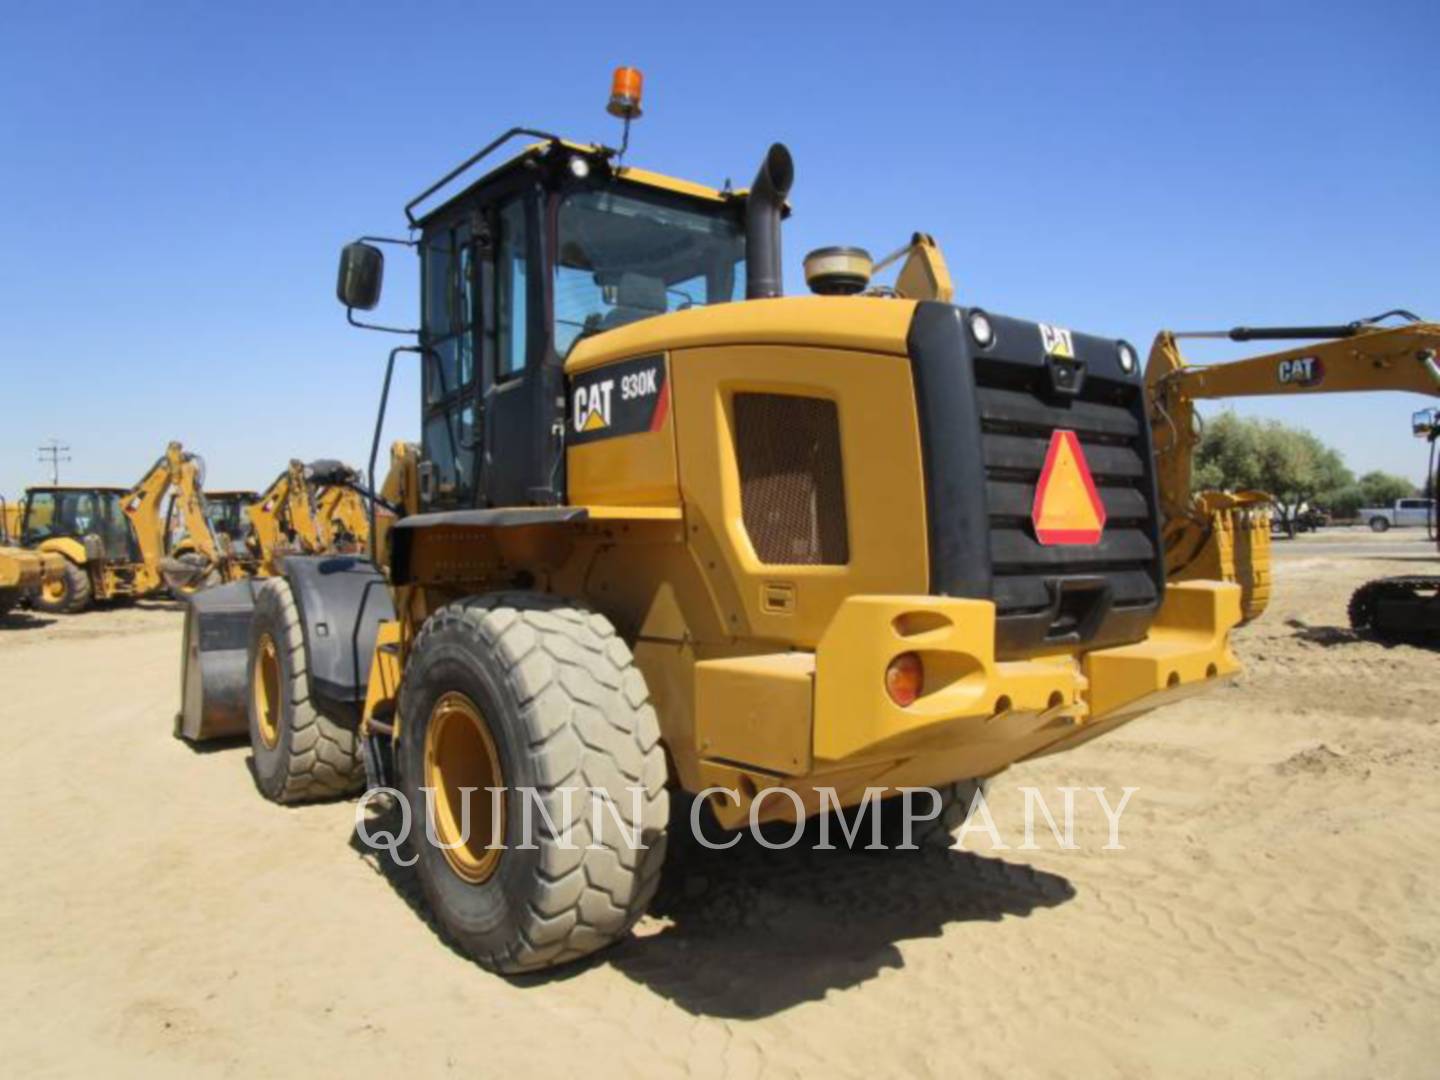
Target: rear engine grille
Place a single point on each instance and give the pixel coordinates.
(792, 487)
(1064, 593)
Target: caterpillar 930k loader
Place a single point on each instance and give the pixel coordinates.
(670, 532)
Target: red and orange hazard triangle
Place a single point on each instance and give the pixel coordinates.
(1067, 508)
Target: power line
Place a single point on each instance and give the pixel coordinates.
(53, 453)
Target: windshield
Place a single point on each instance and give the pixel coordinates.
(625, 257)
(227, 517)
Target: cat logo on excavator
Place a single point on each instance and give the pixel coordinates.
(1067, 508)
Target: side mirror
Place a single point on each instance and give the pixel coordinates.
(362, 270)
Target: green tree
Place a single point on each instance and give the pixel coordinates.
(1290, 464)
(1382, 489)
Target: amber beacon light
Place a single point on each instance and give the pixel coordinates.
(625, 90)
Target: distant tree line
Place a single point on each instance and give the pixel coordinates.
(1290, 464)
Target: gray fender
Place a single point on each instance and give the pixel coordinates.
(343, 600)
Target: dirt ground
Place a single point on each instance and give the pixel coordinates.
(1275, 910)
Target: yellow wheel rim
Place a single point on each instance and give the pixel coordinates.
(460, 753)
(265, 689)
(54, 589)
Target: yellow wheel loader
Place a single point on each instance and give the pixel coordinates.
(670, 535)
(1225, 536)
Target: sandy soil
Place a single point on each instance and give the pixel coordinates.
(1274, 909)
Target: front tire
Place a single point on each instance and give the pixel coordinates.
(67, 595)
(524, 692)
(300, 755)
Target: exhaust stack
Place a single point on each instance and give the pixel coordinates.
(763, 206)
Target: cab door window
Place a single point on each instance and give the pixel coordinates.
(447, 430)
(510, 286)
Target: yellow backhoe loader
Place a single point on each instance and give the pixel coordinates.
(670, 534)
(228, 519)
(1225, 536)
(309, 510)
(112, 540)
(22, 573)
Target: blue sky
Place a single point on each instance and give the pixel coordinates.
(176, 180)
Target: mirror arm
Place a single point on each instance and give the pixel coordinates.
(350, 312)
(350, 318)
(375, 441)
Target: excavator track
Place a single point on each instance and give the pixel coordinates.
(1398, 610)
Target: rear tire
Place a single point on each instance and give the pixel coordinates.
(300, 755)
(1379, 525)
(70, 595)
(560, 705)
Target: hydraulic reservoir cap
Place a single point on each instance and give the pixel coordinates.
(838, 271)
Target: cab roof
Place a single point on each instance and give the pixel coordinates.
(598, 155)
(99, 489)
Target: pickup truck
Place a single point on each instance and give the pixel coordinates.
(1404, 512)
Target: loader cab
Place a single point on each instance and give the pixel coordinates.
(556, 245)
(55, 512)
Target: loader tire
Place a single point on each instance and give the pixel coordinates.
(69, 595)
(930, 833)
(529, 693)
(300, 755)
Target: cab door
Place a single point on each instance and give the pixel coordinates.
(449, 322)
(520, 387)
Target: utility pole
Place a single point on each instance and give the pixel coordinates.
(53, 453)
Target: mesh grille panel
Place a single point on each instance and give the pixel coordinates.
(792, 487)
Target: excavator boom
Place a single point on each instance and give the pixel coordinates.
(1212, 535)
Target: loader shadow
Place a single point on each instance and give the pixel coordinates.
(219, 745)
(749, 932)
(25, 620)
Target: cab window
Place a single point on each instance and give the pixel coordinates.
(624, 257)
(510, 280)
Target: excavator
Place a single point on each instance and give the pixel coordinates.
(1225, 536)
(1406, 608)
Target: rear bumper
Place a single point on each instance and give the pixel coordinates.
(824, 719)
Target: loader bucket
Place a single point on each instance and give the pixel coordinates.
(213, 659)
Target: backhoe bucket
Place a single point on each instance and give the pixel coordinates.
(213, 682)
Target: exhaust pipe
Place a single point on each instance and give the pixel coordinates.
(763, 206)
